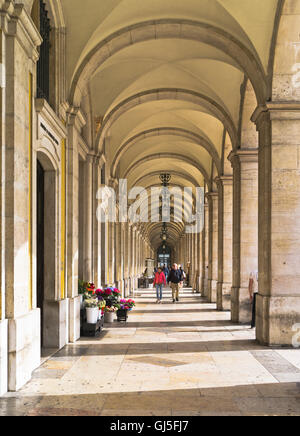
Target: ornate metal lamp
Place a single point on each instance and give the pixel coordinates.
(165, 179)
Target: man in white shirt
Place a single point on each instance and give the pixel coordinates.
(253, 291)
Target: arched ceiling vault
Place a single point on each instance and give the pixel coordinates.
(163, 79)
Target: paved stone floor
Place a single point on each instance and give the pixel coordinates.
(182, 360)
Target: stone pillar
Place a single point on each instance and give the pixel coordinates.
(126, 258)
(193, 260)
(88, 218)
(119, 255)
(225, 243)
(205, 247)
(136, 251)
(278, 302)
(3, 321)
(245, 230)
(111, 253)
(199, 261)
(213, 246)
(75, 122)
(132, 254)
(97, 226)
(19, 40)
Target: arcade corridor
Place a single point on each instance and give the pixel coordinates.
(180, 360)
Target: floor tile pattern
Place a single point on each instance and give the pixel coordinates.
(183, 359)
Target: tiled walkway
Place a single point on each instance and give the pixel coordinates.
(170, 359)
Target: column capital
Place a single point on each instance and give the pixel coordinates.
(243, 155)
(277, 110)
(75, 117)
(212, 197)
(211, 194)
(225, 180)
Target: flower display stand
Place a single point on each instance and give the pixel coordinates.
(90, 330)
(122, 315)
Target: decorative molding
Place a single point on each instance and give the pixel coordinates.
(50, 120)
(21, 25)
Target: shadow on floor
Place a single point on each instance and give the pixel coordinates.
(163, 324)
(252, 400)
(78, 350)
(196, 310)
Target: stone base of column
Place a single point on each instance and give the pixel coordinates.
(224, 296)
(241, 308)
(212, 291)
(74, 319)
(24, 348)
(278, 320)
(3, 357)
(55, 328)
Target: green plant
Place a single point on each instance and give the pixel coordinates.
(82, 287)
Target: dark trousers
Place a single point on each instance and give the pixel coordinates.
(253, 311)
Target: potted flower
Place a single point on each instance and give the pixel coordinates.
(124, 307)
(86, 290)
(109, 314)
(101, 304)
(92, 310)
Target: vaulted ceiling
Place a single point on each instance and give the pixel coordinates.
(164, 78)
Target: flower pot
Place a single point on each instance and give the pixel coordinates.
(109, 317)
(122, 315)
(92, 315)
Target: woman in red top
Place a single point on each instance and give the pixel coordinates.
(159, 281)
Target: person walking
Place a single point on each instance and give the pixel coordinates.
(166, 270)
(182, 272)
(159, 282)
(175, 278)
(253, 291)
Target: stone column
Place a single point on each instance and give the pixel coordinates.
(193, 260)
(119, 255)
(75, 122)
(132, 255)
(136, 258)
(19, 41)
(245, 230)
(111, 253)
(88, 218)
(225, 243)
(97, 226)
(199, 261)
(213, 246)
(126, 258)
(278, 302)
(206, 251)
(3, 321)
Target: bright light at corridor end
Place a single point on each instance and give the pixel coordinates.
(139, 205)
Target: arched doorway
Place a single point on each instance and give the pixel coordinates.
(45, 239)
